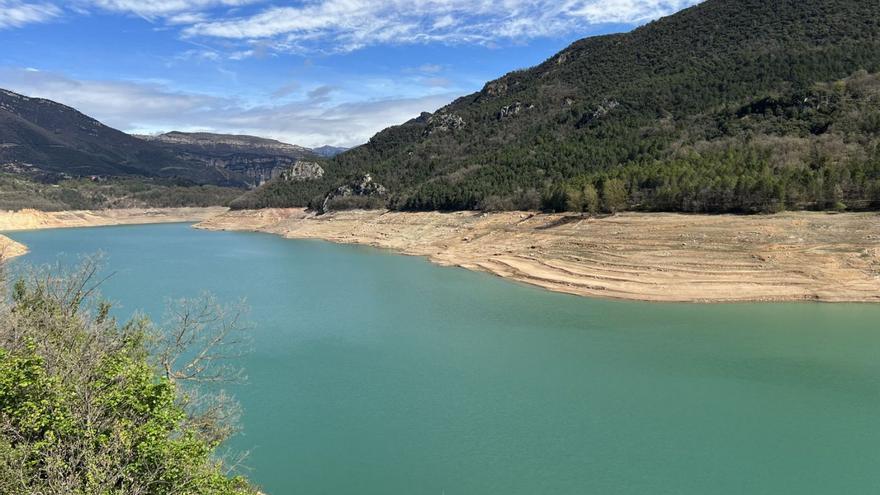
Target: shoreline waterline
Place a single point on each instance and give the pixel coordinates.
(652, 257)
(29, 219)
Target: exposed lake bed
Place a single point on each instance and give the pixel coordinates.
(796, 256)
(363, 378)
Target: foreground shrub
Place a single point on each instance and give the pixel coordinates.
(89, 405)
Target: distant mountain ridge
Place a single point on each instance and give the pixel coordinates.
(42, 137)
(229, 143)
(730, 105)
(329, 151)
(48, 141)
(257, 159)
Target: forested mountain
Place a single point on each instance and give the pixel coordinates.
(52, 157)
(47, 140)
(731, 105)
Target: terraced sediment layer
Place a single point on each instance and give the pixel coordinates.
(653, 257)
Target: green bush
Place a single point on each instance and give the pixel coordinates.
(87, 407)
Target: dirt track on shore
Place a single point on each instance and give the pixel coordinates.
(651, 257)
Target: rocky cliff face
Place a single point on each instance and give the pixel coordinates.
(443, 122)
(255, 159)
(255, 169)
(227, 143)
(301, 171)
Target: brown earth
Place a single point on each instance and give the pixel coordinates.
(652, 257)
(10, 248)
(34, 219)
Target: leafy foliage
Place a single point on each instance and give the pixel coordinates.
(84, 408)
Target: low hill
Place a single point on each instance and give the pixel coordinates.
(731, 105)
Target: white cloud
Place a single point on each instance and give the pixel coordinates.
(119, 104)
(624, 11)
(430, 68)
(178, 9)
(345, 124)
(200, 54)
(346, 25)
(14, 13)
(144, 107)
(332, 26)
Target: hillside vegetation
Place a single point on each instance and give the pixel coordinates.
(50, 154)
(45, 139)
(17, 193)
(732, 105)
(92, 406)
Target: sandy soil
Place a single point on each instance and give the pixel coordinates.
(10, 248)
(34, 220)
(653, 257)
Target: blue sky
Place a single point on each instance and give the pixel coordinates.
(309, 72)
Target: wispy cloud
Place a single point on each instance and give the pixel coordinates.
(144, 107)
(346, 25)
(338, 26)
(336, 110)
(178, 10)
(14, 13)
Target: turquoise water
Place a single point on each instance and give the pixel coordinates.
(373, 373)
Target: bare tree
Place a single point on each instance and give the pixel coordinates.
(201, 340)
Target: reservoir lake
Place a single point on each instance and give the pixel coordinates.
(375, 373)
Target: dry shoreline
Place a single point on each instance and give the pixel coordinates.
(649, 257)
(35, 220)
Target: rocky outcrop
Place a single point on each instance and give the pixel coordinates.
(604, 108)
(444, 122)
(513, 109)
(256, 170)
(364, 187)
(495, 88)
(256, 160)
(302, 171)
(206, 142)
